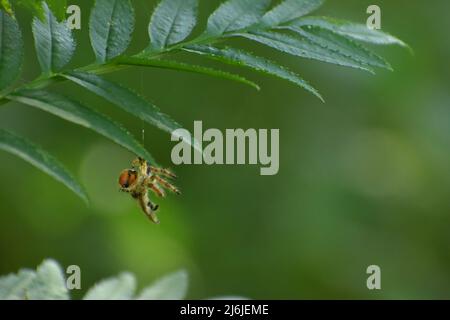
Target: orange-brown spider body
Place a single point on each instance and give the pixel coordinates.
(142, 178)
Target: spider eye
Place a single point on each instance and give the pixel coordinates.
(127, 178)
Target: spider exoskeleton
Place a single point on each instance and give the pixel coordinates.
(143, 177)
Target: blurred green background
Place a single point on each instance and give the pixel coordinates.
(364, 178)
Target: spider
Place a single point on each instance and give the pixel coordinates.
(142, 178)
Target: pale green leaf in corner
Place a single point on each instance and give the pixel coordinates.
(11, 49)
(54, 42)
(12, 287)
(172, 22)
(289, 10)
(244, 59)
(48, 284)
(171, 287)
(349, 29)
(235, 15)
(39, 158)
(6, 5)
(121, 287)
(110, 27)
(77, 113)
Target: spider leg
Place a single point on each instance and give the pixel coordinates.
(148, 207)
(152, 206)
(166, 184)
(156, 189)
(163, 172)
(140, 165)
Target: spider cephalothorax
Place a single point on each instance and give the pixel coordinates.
(142, 178)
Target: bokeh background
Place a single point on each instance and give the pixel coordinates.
(364, 178)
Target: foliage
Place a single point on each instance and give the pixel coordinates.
(284, 27)
(48, 283)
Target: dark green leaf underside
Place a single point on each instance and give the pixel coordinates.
(11, 49)
(111, 25)
(172, 22)
(127, 100)
(53, 41)
(304, 48)
(356, 31)
(77, 113)
(244, 59)
(180, 66)
(235, 15)
(39, 158)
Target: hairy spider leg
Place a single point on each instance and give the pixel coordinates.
(163, 172)
(141, 165)
(156, 189)
(166, 184)
(148, 207)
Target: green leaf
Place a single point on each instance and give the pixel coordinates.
(235, 15)
(48, 284)
(6, 5)
(12, 287)
(180, 66)
(38, 157)
(119, 288)
(75, 112)
(289, 10)
(244, 59)
(349, 29)
(58, 8)
(11, 49)
(172, 22)
(111, 27)
(54, 42)
(302, 47)
(171, 287)
(345, 46)
(125, 99)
